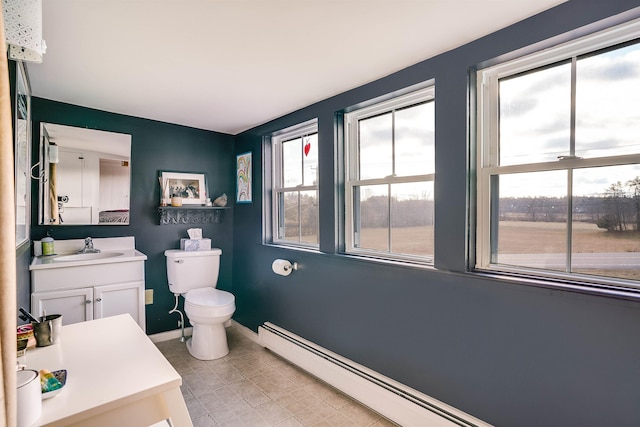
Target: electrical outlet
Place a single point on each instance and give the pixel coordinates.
(148, 296)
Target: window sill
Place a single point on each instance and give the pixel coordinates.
(388, 261)
(355, 257)
(589, 288)
(22, 248)
(281, 245)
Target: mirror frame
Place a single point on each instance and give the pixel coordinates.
(95, 155)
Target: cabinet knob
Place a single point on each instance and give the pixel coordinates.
(98, 299)
(88, 301)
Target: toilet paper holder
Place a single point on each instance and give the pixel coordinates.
(283, 267)
(293, 266)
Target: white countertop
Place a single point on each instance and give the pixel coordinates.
(110, 362)
(123, 246)
(125, 255)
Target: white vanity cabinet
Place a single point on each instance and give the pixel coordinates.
(75, 305)
(82, 304)
(89, 289)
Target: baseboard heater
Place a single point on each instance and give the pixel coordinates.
(393, 400)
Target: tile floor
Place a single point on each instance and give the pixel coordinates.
(252, 386)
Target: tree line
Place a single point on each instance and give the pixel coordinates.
(373, 212)
(616, 209)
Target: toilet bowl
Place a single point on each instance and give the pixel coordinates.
(194, 275)
(207, 310)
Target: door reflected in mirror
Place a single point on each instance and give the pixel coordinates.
(86, 176)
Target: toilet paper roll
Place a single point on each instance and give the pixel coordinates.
(281, 267)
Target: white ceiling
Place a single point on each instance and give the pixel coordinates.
(229, 65)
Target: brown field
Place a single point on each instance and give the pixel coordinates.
(405, 240)
(520, 237)
(550, 237)
(514, 237)
(539, 237)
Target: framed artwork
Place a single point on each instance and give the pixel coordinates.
(192, 187)
(243, 178)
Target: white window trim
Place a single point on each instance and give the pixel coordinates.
(487, 129)
(302, 129)
(351, 170)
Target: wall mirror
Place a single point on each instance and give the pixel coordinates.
(85, 176)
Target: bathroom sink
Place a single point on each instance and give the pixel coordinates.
(113, 250)
(85, 256)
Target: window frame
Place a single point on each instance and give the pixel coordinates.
(351, 166)
(277, 186)
(22, 172)
(487, 147)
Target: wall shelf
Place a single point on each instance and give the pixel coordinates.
(191, 214)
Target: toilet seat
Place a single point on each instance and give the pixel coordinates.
(209, 302)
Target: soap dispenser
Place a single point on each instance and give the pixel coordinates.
(47, 245)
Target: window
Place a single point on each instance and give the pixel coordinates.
(22, 154)
(295, 185)
(390, 171)
(559, 162)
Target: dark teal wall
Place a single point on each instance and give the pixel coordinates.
(511, 354)
(155, 146)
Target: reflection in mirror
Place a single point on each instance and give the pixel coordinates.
(86, 176)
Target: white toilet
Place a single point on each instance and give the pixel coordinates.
(194, 274)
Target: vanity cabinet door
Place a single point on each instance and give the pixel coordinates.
(121, 298)
(75, 305)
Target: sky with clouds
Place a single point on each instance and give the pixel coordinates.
(535, 117)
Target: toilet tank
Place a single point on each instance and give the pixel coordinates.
(188, 270)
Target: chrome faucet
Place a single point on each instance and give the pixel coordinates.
(88, 247)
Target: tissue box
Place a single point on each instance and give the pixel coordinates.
(195, 244)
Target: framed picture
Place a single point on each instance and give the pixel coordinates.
(192, 187)
(243, 178)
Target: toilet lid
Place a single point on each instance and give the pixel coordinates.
(209, 297)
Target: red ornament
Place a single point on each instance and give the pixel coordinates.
(307, 148)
